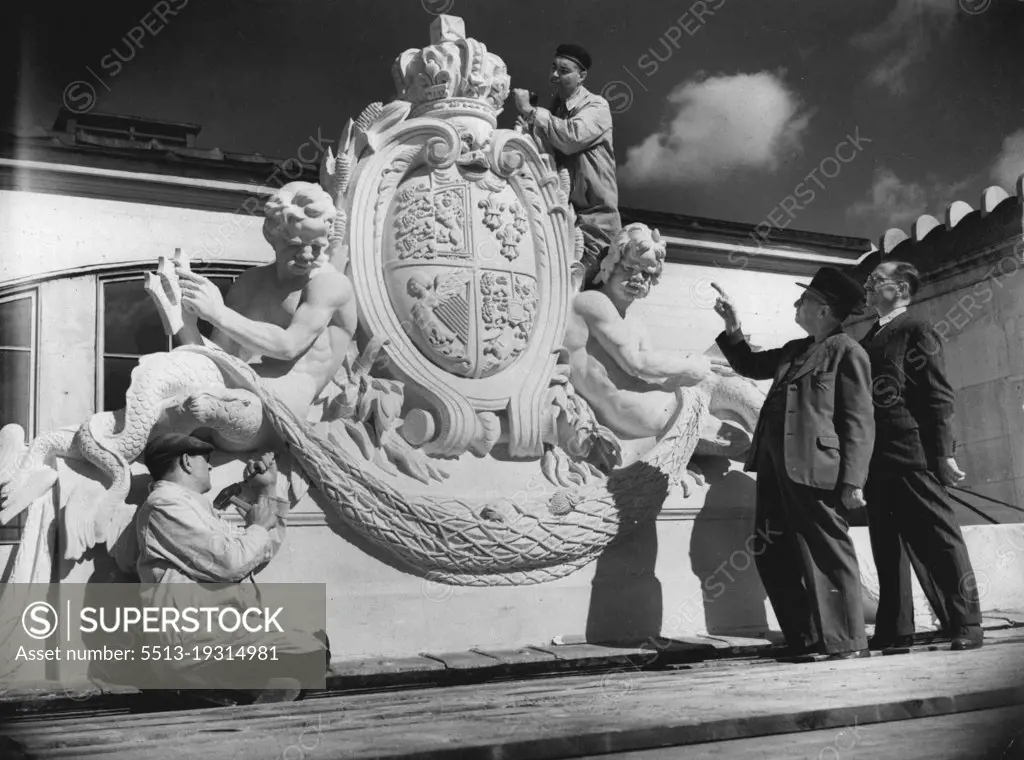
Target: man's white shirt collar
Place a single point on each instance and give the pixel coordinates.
(883, 321)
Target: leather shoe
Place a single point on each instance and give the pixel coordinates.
(899, 642)
(795, 650)
(963, 643)
(855, 654)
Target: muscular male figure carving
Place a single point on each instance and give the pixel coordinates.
(294, 319)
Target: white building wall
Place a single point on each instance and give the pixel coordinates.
(679, 312)
(44, 234)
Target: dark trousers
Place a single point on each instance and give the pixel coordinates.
(597, 240)
(911, 519)
(806, 559)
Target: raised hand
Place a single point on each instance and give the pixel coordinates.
(200, 296)
(522, 98)
(725, 308)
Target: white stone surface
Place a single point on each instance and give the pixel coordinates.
(44, 234)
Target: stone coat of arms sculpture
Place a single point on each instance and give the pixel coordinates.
(459, 243)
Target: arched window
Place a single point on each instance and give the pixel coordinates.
(130, 327)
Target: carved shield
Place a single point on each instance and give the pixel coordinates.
(461, 270)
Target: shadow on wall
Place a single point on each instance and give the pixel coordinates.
(721, 556)
(626, 603)
(626, 597)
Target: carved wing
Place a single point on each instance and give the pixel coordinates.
(447, 286)
(89, 518)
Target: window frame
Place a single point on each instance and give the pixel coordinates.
(32, 294)
(138, 274)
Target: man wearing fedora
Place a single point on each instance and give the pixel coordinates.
(577, 129)
(910, 516)
(811, 449)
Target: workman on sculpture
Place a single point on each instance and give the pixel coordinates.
(631, 386)
(577, 129)
(293, 320)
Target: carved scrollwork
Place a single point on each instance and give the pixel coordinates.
(507, 159)
(441, 151)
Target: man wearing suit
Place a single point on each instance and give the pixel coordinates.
(908, 509)
(810, 450)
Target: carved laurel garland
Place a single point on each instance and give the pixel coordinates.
(481, 542)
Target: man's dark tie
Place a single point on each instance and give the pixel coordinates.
(872, 332)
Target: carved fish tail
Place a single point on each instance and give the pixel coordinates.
(672, 453)
(737, 399)
(59, 443)
(99, 447)
(157, 379)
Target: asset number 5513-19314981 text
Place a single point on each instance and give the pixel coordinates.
(217, 653)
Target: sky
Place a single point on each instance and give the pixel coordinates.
(824, 115)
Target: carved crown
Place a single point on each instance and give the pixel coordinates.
(453, 73)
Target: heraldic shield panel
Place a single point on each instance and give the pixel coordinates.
(461, 270)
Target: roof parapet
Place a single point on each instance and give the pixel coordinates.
(992, 198)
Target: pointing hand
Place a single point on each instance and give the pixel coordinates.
(725, 308)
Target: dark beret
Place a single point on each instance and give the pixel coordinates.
(576, 53)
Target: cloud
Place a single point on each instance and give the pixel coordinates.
(719, 125)
(895, 203)
(892, 199)
(907, 33)
(1010, 163)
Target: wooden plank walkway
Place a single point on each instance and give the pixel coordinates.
(981, 735)
(619, 711)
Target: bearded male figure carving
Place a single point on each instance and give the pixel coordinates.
(293, 319)
(629, 384)
(632, 386)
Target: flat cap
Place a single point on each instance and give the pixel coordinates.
(162, 451)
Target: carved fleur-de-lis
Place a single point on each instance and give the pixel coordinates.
(509, 237)
(493, 209)
(519, 221)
